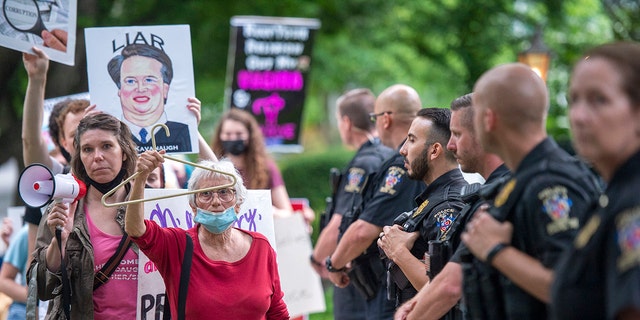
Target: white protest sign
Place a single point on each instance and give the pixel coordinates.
(16, 214)
(27, 23)
(256, 214)
(143, 75)
(302, 286)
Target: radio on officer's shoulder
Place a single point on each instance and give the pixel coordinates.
(402, 218)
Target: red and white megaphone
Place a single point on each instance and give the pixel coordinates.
(38, 186)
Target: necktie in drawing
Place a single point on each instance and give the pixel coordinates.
(143, 135)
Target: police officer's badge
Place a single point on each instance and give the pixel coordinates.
(587, 231)
(628, 234)
(557, 205)
(502, 197)
(355, 180)
(394, 176)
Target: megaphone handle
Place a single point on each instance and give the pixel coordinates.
(58, 227)
(56, 201)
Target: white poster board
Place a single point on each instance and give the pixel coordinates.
(16, 214)
(256, 214)
(41, 23)
(143, 75)
(302, 286)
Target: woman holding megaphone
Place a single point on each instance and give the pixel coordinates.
(77, 270)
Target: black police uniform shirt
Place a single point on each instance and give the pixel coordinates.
(500, 172)
(600, 275)
(178, 141)
(392, 194)
(545, 219)
(357, 174)
(435, 226)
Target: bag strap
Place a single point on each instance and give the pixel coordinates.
(66, 286)
(32, 293)
(185, 273)
(101, 277)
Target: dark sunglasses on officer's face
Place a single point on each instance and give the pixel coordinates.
(374, 116)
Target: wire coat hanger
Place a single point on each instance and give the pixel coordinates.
(153, 143)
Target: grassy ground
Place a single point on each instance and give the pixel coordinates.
(328, 298)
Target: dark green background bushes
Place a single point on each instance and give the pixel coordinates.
(307, 176)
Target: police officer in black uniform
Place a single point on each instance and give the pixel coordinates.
(517, 242)
(599, 278)
(440, 299)
(389, 193)
(356, 130)
(428, 160)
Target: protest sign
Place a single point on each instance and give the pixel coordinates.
(16, 214)
(143, 75)
(48, 25)
(302, 286)
(267, 71)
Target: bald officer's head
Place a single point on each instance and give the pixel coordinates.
(509, 101)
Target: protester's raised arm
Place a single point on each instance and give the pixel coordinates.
(134, 220)
(34, 147)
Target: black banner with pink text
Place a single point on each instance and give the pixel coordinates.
(267, 73)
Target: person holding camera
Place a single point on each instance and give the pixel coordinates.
(406, 242)
(536, 214)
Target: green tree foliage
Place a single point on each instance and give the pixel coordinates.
(439, 47)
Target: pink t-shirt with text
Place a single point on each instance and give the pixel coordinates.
(115, 299)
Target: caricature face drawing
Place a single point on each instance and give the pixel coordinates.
(142, 90)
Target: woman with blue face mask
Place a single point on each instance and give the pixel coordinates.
(233, 273)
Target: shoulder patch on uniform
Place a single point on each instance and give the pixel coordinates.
(502, 197)
(393, 177)
(444, 219)
(628, 234)
(356, 180)
(557, 205)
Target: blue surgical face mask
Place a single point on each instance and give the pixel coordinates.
(216, 222)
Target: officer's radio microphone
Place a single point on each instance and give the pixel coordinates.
(400, 220)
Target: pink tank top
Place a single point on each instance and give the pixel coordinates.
(115, 299)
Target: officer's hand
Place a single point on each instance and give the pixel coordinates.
(393, 241)
(403, 311)
(484, 232)
(320, 268)
(340, 279)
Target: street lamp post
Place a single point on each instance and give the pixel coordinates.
(537, 57)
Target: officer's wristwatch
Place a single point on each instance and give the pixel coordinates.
(331, 268)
